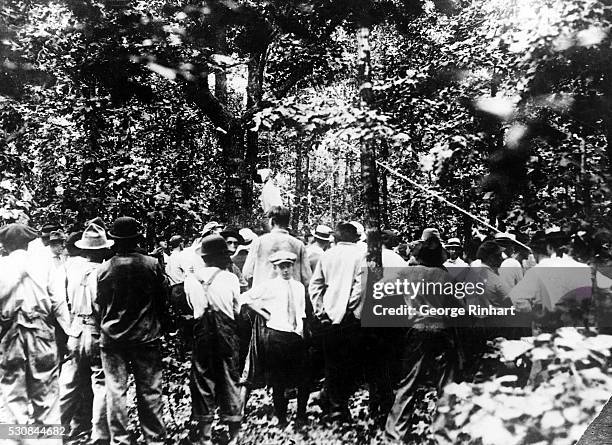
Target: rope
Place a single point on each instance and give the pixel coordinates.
(443, 199)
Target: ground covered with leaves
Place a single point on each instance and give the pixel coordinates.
(259, 426)
(546, 390)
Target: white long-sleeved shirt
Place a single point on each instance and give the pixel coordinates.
(511, 272)
(275, 295)
(25, 286)
(177, 266)
(335, 286)
(550, 280)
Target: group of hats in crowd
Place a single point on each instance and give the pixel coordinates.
(94, 237)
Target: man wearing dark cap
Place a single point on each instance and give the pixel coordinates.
(335, 293)
(132, 292)
(29, 361)
(213, 292)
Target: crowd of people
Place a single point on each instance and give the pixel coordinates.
(79, 312)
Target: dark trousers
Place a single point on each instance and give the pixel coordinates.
(381, 349)
(286, 362)
(425, 362)
(145, 362)
(341, 351)
(214, 368)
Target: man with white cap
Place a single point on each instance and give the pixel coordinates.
(454, 248)
(82, 383)
(283, 298)
(322, 238)
(454, 263)
(510, 271)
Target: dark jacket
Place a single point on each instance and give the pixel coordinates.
(132, 295)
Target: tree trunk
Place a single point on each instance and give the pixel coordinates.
(369, 177)
(232, 147)
(297, 202)
(306, 189)
(256, 68)
(384, 192)
(220, 75)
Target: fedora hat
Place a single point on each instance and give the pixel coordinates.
(125, 227)
(231, 232)
(98, 221)
(322, 232)
(93, 238)
(57, 236)
(49, 227)
(212, 245)
(211, 226)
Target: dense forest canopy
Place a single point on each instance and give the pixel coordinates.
(166, 110)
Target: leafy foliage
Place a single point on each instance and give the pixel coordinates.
(555, 406)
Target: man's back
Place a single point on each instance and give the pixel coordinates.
(131, 293)
(337, 280)
(260, 269)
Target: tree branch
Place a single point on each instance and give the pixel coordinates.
(199, 94)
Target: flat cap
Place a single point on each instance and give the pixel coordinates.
(282, 256)
(17, 234)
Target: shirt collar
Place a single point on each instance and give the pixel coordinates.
(279, 230)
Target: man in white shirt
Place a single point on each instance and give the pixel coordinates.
(335, 293)
(29, 386)
(554, 278)
(82, 381)
(283, 298)
(213, 293)
(510, 271)
(455, 264)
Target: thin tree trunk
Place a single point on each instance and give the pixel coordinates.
(256, 68)
(306, 187)
(298, 188)
(384, 192)
(221, 76)
(369, 176)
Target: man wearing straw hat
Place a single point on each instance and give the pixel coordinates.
(322, 237)
(82, 386)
